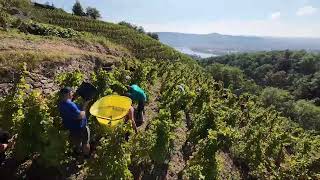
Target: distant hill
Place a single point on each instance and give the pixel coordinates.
(224, 44)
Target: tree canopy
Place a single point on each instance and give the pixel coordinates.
(77, 9)
(93, 13)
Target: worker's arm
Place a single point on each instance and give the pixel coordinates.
(131, 117)
(82, 115)
(85, 105)
(11, 142)
(84, 109)
(3, 147)
(76, 112)
(128, 95)
(134, 126)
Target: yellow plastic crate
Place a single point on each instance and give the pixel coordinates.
(111, 110)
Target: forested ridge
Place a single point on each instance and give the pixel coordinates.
(288, 80)
(208, 121)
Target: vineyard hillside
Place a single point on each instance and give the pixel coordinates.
(196, 125)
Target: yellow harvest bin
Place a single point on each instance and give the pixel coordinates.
(111, 110)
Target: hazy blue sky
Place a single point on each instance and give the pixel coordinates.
(236, 17)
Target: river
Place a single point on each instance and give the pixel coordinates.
(189, 51)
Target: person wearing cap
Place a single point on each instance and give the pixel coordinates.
(137, 94)
(74, 119)
(5, 143)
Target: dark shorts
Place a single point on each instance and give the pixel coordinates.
(140, 106)
(140, 112)
(80, 137)
(4, 136)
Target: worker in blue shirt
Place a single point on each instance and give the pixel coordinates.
(137, 94)
(75, 120)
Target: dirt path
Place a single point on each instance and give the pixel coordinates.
(177, 162)
(151, 109)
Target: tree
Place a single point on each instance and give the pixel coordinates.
(309, 64)
(307, 114)
(123, 23)
(277, 79)
(77, 9)
(282, 100)
(153, 35)
(93, 13)
(139, 29)
(230, 76)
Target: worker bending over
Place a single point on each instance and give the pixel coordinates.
(138, 95)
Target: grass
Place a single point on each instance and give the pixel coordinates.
(86, 39)
(140, 45)
(13, 56)
(14, 59)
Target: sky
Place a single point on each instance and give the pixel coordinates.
(278, 18)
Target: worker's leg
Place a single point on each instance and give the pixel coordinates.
(4, 136)
(75, 141)
(140, 108)
(131, 113)
(132, 119)
(86, 140)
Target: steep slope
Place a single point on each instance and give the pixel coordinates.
(196, 129)
(140, 45)
(48, 57)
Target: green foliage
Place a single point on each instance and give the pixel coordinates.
(93, 13)
(12, 107)
(8, 4)
(33, 129)
(292, 71)
(77, 9)
(268, 143)
(257, 137)
(153, 35)
(53, 153)
(204, 159)
(28, 116)
(271, 146)
(141, 46)
(309, 64)
(303, 112)
(32, 58)
(139, 29)
(230, 76)
(307, 114)
(47, 30)
(281, 99)
(5, 20)
(112, 156)
(132, 26)
(163, 129)
(141, 146)
(307, 87)
(70, 79)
